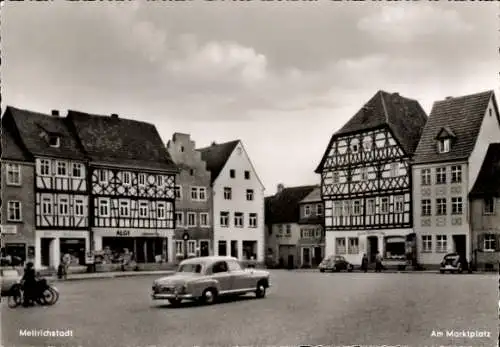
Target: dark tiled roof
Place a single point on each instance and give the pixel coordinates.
(463, 117)
(217, 155)
(119, 141)
(488, 180)
(10, 148)
(314, 196)
(32, 125)
(404, 116)
(283, 207)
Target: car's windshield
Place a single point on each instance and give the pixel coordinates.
(195, 268)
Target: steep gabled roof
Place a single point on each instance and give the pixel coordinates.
(462, 116)
(217, 155)
(314, 196)
(32, 127)
(283, 207)
(10, 148)
(488, 180)
(405, 117)
(118, 141)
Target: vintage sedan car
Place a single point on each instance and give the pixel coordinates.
(453, 262)
(205, 279)
(335, 263)
(8, 277)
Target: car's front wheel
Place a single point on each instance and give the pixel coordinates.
(260, 292)
(460, 269)
(349, 268)
(321, 270)
(208, 297)
(174, 302)
(441, 271)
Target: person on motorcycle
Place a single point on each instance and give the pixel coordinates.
(29, 284)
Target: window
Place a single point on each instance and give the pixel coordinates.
(238, 219)
(227, 193)
(456, 205)
(103, 207)
(142, 181)
(490, 242)
(356, 207)
(347, 208)
(318, 233)
(61, 168)
(340, 245)
(441, 243)
(194, 193)
(370, 207)
(456, 174)
(179, 247)
(280, 230)
(337, 208)
(399, 204)
(307, 210)
(364, 174)
(444, 145)
(178, 192)
(179, 219)
(63, 206)
(124, 208)
(367, 144)
(191, 219)
(191, 172)
(252, 222)
(143, 209)
(394, 169)
(354, 146)
(79, 207)
(103, 176)
(336, 177)
(159, 180)
(47, 205)
(13, 174)
(54, 141)
(14, 211)
(384, 205)
(425, 176)
(45, 167)
(191, 247)
(126, 178)
(232, 173)
(224, 219)
(161, 209)
(426, 243)
(319, 209)
(426, 207)
(77, 170)
(441, 175)
(489, 206)
(204, 219)
(222, 250)
(202, 193)
(353, 245)
(247, 175)
(288, 232)
(249, 194)
(441, 207)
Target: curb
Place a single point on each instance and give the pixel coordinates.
(110, 275)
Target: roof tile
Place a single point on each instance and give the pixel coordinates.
(283, 207)
(217, 155)
(488, 180)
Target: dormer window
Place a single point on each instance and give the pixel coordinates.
(54, 141)
(444, 145)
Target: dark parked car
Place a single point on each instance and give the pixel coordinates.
(453, 262)
(335, 263)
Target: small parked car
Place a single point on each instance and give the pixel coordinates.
(9, 277)
(204, 279)
(453, 262)
(335, 263)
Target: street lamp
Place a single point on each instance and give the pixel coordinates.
(185, 237)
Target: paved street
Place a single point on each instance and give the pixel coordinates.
(301, 308)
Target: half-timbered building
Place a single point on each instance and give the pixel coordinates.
(193, 196)
(60, 183)
(131, 180)
(238, 201)
(447, 162)
(366, 179)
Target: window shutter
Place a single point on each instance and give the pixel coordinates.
(497, 246)
(480, 242)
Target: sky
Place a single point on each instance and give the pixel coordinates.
(280, 76)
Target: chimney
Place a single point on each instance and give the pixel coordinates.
(114, 116)
(449, 98)
(213, 143)
(55, 113)
(280, 188)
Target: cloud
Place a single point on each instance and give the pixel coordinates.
(400, 24)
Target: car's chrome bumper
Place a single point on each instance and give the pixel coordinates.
(162, 296)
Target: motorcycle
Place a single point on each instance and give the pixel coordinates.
(46, 294)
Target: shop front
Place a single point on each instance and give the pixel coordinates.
(52, 245)
(392, 245)
(140, 245)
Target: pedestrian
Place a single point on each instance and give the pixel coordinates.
(378, 262)
(66, 262)
(364, 263)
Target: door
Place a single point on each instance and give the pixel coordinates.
(45, 251)
(306, 256)
(221, 274)
(204, 249)
(241, 279)
(459, 242)
(317, 256)
(372, 248)
(291, 263)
